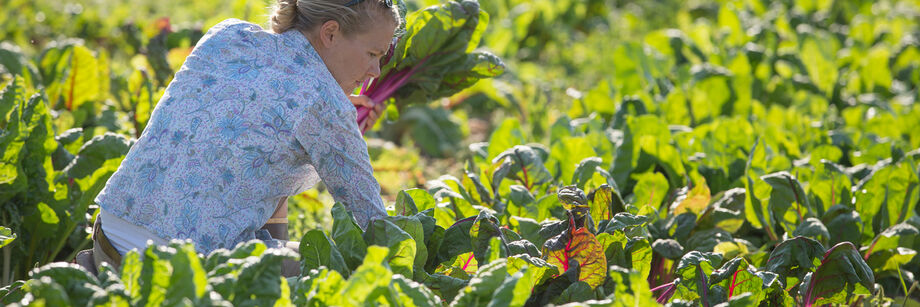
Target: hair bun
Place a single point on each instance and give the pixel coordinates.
(283, 17)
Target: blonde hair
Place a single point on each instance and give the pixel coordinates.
(305, 15)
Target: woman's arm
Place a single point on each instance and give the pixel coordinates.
(336, 148)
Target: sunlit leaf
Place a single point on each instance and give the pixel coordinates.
(579, 245)
(6, 236)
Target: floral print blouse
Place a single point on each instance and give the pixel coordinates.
(250, 118)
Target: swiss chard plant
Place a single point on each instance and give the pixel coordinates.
(436, 57)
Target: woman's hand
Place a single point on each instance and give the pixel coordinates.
(376, 110)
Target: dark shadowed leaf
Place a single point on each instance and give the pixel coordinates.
(841, 275)
(812, 228)
(347, 236)
(845, 222)
(668, 248)
(794, 258)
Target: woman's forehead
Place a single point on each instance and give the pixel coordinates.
(379, 37)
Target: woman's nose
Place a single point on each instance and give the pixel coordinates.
(375, 69)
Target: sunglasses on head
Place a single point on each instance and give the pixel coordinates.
(388, 3)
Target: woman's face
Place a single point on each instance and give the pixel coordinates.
(354, 59)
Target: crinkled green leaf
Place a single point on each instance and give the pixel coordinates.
(347, 236)
(812, 228)
(727, 212)
(95, 152)
(316, 250)
(444, 286)
(694, 269)
(707, 240)
(845, 222)
(516, 288)
(668, 248)
(457, 239)
(795, 257)
(78, 284)
(788, 202)
(525, 165)
(584, 170)
(482, 286)
(402, 247)
(370, 281)
(410, 293)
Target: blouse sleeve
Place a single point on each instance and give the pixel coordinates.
(337, 150)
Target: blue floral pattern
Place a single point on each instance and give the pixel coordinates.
(251, 117)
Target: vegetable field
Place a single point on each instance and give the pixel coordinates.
(611, 153)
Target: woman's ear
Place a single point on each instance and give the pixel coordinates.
(330, 33)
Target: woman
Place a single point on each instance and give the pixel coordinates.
(252, 117)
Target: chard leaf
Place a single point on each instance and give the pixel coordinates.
(845, 222)
(401, 246)
(889, 195)
(525, 165)
(576, 292)
(889, 250)
(794, 258)
(727, 212)
(625, 222)
(456, 240)
(52, 293)
(411, 293)
(484, 228)
(739, 278)
(812, 228)
(77, 284)
(842, 274)
(605, 201)
(630, 288)
(411, 201)
(347, 236)
(668, 248)
(546, 292)
(694, 269)
(463, 266)
(516, 288)
(259, 282)
(316, 250)
(707, 240)
(444, 286)
(755, 211)
(584, 170)
(697, 199)
(435, 56)
(788, 201)
(371, 280)
(540, 270)
(902, 234)
(891, 260)
(318, 287)
(6, 236)
(580, 247)
(482, 286)
(523, 247)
